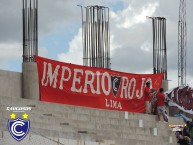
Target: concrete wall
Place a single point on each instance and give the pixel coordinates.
(20, 85)
(10, 84)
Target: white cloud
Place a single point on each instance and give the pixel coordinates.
(190, 83)
(173, 79)
(43, 51)
(75, 51)
(146, 46)
(130, 16)
(146, 10)
(117, 41)
(14, 51)
(10, 51)
(114, 45)
(189, 80)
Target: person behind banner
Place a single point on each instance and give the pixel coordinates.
(191, 131)
(147, 96)
(186, 131)
(160, 103)
(183, 140)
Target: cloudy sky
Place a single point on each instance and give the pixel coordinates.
(60, 36)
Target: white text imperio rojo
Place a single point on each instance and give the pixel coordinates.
(128, 87)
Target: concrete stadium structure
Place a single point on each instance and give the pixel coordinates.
(57, 124)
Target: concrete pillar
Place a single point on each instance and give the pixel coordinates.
(165, 85)
(30, 81)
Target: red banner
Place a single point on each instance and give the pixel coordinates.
(181, 97)
(78, 85)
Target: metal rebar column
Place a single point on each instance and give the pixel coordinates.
(96, 36)
(30, 30)
(159, 46)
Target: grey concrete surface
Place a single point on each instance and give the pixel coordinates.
(165, 85)
(30, 81)
(10, 84)
(85, 125)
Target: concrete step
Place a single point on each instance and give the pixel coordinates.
(106, 132)
(57, 109)
(88, 121)
(93, 124)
